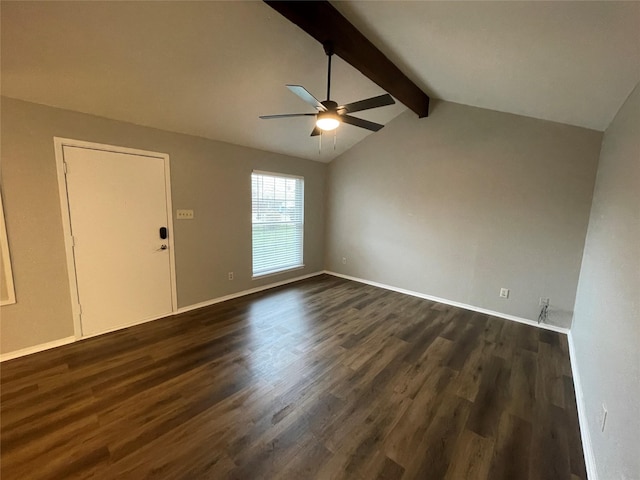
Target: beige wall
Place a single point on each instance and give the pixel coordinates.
(213, 178)
(606, 327)
(464, 202)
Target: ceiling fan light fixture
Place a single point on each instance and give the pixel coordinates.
(327, 121)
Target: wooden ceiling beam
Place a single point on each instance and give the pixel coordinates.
(323, 22)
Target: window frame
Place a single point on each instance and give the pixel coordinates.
(301, 222)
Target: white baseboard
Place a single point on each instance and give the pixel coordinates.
(36, 348)
(245, 292)
(127, 325)
(513, 318)
(64, 341)
(587, 446)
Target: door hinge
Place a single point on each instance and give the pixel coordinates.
(65, 168)
(73, 241)
(79, 309)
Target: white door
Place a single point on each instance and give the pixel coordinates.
(117, 206)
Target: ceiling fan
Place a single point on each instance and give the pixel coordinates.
(329, 114)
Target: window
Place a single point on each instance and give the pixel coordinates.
(277, 217)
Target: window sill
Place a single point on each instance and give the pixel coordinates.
(279, 272)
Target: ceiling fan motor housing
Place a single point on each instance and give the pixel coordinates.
(330, 105)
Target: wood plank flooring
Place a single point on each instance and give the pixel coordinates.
(321, 379)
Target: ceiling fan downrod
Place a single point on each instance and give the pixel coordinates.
(328, 49)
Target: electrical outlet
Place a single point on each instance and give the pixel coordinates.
(230, 275)
(544, 301)
(184, 214)
(603, 417)
(344, 260)
(504, 293)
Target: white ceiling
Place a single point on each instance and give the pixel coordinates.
(210, 68)
(568, 62)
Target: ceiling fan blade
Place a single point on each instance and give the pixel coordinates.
(359, 122)
(286, 115)
(304, 94)
(373, 102)
(315, 132)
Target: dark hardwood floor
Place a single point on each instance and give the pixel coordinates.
(321, 379)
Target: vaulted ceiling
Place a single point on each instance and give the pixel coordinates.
(211, 68)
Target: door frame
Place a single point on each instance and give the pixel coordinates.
(59, 144)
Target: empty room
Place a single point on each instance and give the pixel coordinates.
(320, 240)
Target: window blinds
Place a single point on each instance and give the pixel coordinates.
(277, 217)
